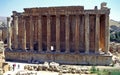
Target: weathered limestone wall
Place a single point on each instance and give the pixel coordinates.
(60, 58)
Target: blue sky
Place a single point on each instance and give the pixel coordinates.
(7, 6)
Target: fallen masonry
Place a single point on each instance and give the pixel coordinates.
(3, 65)
(55, 67)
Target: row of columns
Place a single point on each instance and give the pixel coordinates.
(67, 33)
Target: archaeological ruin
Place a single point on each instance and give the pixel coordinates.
(3, 65)
(69, 34)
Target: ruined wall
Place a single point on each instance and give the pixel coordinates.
(60, 58)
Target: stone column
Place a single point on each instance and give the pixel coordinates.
(24, 34)
(107, 34)
(9, 33)
(15, 32)
(31, 33)
(67, 34)
(77, 34)
(12, 33)
(97, 33)
(48, 34)
(39, 34)
(57, 33)
(87, 33)
(82, 33)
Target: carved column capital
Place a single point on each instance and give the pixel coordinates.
(57, 16)
(86, 14)
(97, 15)
(31, 17)
(15, 17)
(39, 17)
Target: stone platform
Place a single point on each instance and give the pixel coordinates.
(66, 58)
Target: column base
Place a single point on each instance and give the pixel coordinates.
(48, 51)
(67, 51)
(97, 52)
(77, 52)
(9, 49)
(57, 51)
(86, 52)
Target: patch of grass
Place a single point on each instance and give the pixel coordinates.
(102, 73)
(95, 70)
(114, 73)
(109, 72)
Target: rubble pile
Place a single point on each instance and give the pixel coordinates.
(114, 47)
(115, 50)
(56, 67)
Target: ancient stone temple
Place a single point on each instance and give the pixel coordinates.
(67, 34)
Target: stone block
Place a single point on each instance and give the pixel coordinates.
(72, 58)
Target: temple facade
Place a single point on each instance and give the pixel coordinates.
(67, 34)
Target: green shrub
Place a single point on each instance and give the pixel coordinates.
(93, 69)
(112, 37)
(115, 37)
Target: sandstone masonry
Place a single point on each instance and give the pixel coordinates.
(68, 34)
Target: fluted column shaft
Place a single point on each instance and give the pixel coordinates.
(15, 32)
(107, 34)
(67, 33)
(9, 32)
(77, 34)
(24, 34)
(31, 33)
(57, 33)
(87, 33)
(48, 34)
(39, 34)
(97, 33)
